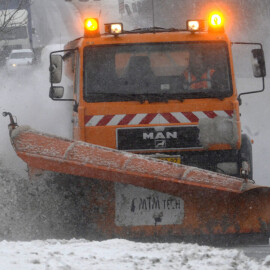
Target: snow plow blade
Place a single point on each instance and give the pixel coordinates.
(132, 196)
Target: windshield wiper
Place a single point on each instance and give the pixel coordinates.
(157, 98)
(103, 97)
(142, 97)
(153, 30)
(200, 94)
(151, 98)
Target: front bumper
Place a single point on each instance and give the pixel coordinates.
(207, 160)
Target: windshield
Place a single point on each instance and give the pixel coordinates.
(156, 72)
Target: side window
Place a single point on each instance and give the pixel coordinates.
(77, 76)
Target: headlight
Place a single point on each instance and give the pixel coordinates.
(14, 65)
(220, 130)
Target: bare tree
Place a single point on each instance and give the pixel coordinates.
(15, 25)
(9, 10)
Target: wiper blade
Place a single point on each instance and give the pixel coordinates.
(199, 94)
(157, 98)
(127, 97)
(144, 97)
(154, 29)
(147, 29)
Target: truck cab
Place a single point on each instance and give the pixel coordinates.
(166, 93)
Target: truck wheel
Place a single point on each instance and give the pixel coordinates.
(245, 155)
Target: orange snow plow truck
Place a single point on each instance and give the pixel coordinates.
(156, 128)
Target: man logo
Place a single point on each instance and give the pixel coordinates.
(160, 143)
(159, 135)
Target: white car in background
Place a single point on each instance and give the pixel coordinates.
(19, 59)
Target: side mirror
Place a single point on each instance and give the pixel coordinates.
(258, 63)
(56, 68)
(56, 92)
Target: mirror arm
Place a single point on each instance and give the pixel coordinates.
(252, 92)
(263, 82)
(75, 106)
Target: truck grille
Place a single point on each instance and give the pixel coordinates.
(158, 138)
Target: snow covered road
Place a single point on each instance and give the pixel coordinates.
(120, 255)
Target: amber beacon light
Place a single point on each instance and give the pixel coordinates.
(91, 27)
(216, 22)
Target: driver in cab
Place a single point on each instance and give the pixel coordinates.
(197, 75)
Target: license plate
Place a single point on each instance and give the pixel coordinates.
(171, 159)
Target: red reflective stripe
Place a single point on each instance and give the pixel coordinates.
(87, 118)
(170, 118)
(148, 118)
(126, 119)
(191, 116)
(210, 114)
(105, 120)
(229, 112)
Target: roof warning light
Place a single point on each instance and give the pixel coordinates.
(216, 22)
(91, 27)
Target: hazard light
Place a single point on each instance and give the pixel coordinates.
(216, 22)
(91, 27)
(195, 25)
(114, 28)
